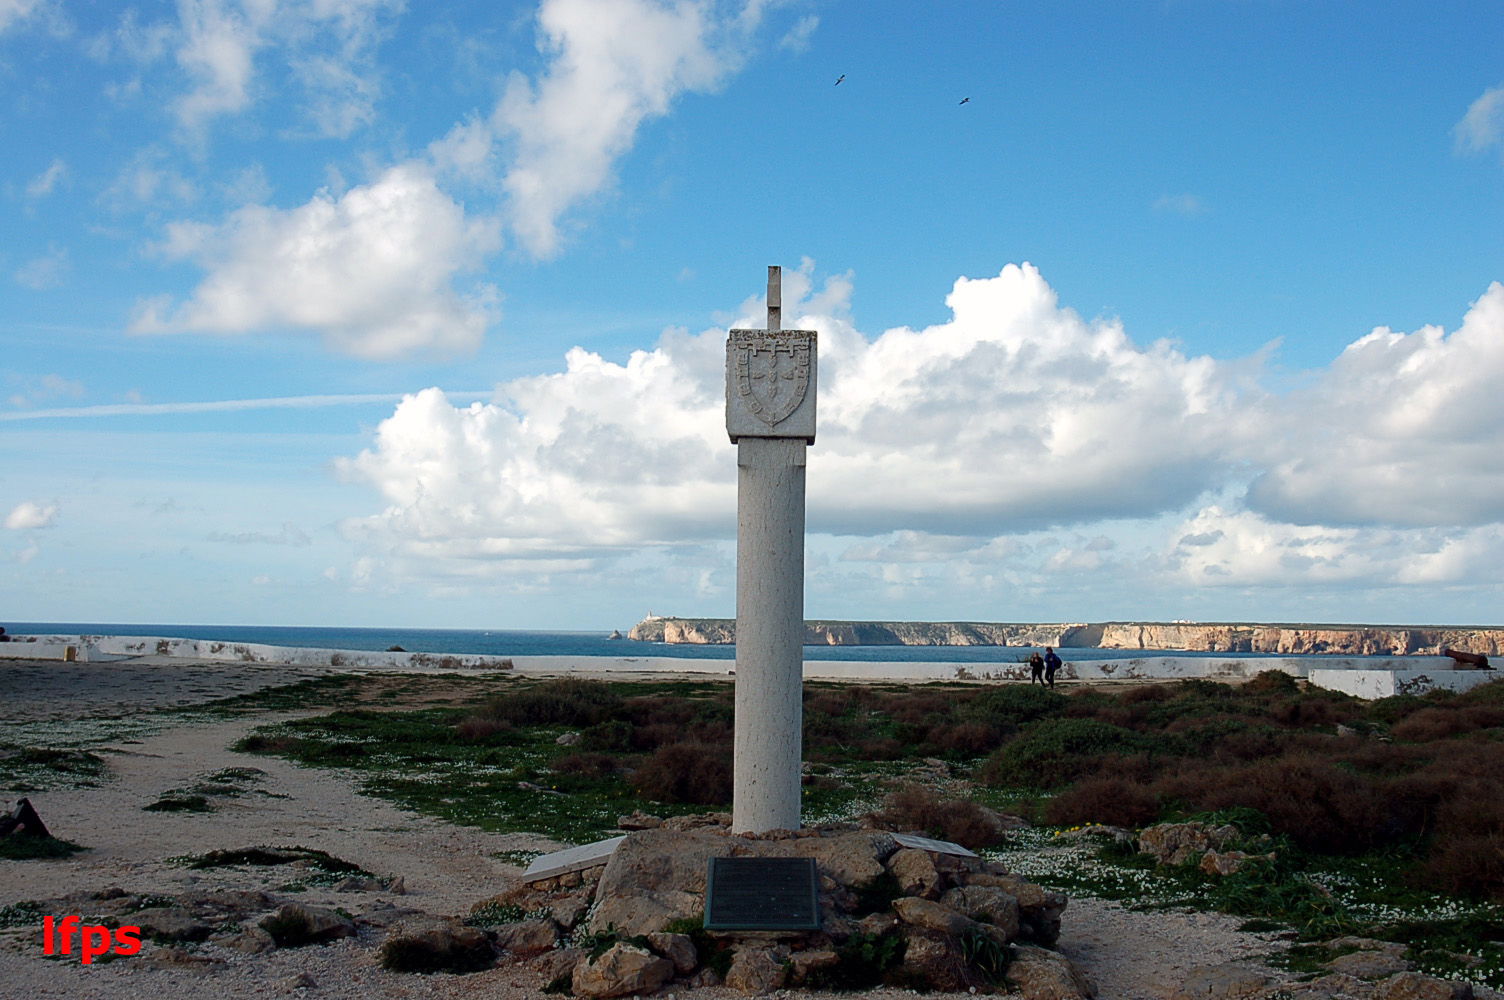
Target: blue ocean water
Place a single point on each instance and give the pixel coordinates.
(528, 643)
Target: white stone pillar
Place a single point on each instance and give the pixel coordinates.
(770, 416)
(769, 634)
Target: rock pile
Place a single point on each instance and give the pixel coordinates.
(888, 913)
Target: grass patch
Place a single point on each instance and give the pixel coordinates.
(315, 867)
(42, 768)
(37, 849)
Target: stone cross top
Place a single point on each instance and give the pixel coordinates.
(770, 415)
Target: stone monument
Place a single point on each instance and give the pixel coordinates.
(770, 416)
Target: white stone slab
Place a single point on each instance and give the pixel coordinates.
(770, 384)
(573, 859)
(938, 846)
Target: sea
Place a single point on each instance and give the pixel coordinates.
(539, 643)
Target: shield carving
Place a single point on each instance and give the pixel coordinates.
(772, 376)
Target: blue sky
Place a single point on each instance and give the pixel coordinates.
(363, 312)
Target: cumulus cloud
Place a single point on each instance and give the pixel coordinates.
(1014, 414)
(29, 515)
(961, 450)
(373, 270)
(612, 65)
(1483, 125)
(1401, 429)
(1219, 547)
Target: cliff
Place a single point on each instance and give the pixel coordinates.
(1220, 637)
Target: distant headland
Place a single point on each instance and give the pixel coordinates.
(1208, 637)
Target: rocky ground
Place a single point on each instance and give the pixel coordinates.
(425, 870)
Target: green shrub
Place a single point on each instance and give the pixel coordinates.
(565, 702)
(1271, 682)
(1053, 752)
(1009, 707)
(863, 961)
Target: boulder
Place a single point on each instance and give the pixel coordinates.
(654, 877)
(571, 909)
(1177, 843)
(169, 923)
(295, 924)
(638, 820)
(1039, 909)
(1229, 862)
(1041, 974)
(936, 959)
(251, 941)
(755, 971)
(528, 937)
(802, 963)
(932, 916)
(437, 944)
(852, 858)
(916, 873)
(1370, 965)
(1228, 981)
(987, 904)
(1414, 986)
(677, 948)
(621, 970)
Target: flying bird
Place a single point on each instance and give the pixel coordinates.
(840, 78)
(964, 100)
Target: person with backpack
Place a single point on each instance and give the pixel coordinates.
(1051, 664)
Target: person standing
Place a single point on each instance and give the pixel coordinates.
(1036, 668)
(1051, 664)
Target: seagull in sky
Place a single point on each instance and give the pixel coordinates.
(840, 78)
(965, 99)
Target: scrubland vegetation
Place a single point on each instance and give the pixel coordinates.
(1381, 817)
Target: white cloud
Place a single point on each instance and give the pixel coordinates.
(949, 453)
(46, 182)
(798, 37)
(1219, 547)
(29, 515)
(44, 272)
(373, 270)
(1483, 125)
(1181, 204)
(1401, 429)
(328, 44)
(13, 12)
(1015, 414)
(145, 180)
(613, 64)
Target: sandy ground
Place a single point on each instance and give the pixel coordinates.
(1130, 956)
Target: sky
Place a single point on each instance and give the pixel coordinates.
(384, 313)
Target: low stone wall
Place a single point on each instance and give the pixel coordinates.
(1370, 684)
(104, 648)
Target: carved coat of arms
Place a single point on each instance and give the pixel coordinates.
(772, 375)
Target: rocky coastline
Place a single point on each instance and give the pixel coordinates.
(1207, 637)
